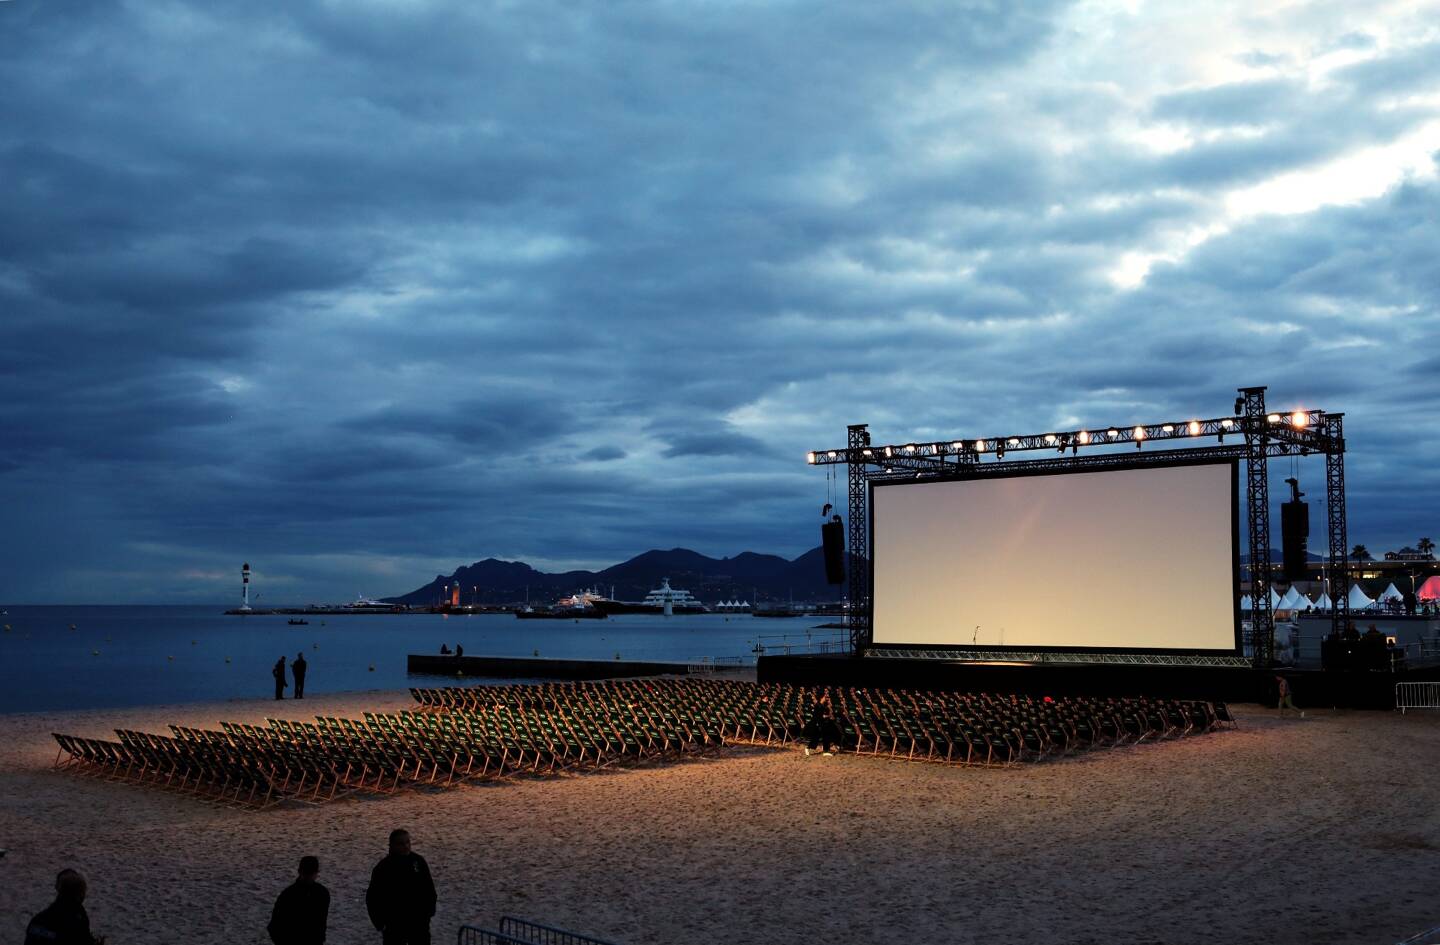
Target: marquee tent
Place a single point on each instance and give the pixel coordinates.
(1359, 600)
(1293, 600)
(1430, 590)
(1390, 593)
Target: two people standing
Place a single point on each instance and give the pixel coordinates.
(298, 668)
(400, 900)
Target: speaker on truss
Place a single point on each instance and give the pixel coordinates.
(832, 539)
(1295, 534)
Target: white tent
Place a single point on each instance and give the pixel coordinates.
(1245, 603)
(1323, 602)
(1293, 600)
(1359, 600)
(1274, 600)
(1390, 593)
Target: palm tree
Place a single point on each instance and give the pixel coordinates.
(1425, 546)
(1360, 553)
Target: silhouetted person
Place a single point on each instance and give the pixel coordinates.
(298, 668)
(64, 921)
(279, 673)
(302, 909)
(401, 897)
(459, 650)
(823, 730)
(444, 650)
(1282, 687)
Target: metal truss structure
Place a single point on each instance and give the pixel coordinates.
(1258, 435)
(1059, 658)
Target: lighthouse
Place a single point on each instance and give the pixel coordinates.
(245, 587)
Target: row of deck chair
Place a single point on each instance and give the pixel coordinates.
(956, 728)
(460, 734)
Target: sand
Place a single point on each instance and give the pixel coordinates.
(1316, 831)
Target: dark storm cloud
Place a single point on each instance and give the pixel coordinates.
(370, 290)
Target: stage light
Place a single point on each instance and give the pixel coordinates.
(1168, 428)
(834, 455)
(810, 458)
(1112, 433)
(1227, 423)
(979, 446)
(1298, 420)
(1273, 418)
(1050, 438)
(957, 445)
(889, 451)
(1194, 427)
(868, 452)
(1085, 437)
(1139, 433)
(1000, 451)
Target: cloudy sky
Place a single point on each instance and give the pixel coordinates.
(359, 291)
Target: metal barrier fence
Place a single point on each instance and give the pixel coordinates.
(536, 934)
(1417, 695)
(474, 935)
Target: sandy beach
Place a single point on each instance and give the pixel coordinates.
(1325, 830)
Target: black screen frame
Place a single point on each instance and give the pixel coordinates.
(1233, 463)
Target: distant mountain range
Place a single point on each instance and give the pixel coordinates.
(747, 576)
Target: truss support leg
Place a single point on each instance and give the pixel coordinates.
(1335, 514)
(858, 531)
(1257, 494)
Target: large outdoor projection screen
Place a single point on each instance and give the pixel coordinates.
(1119, 559)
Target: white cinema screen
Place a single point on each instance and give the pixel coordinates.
(1139, 558)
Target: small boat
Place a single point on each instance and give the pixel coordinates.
(300, 622)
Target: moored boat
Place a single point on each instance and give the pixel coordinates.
(663, 600)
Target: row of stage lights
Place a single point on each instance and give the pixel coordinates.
(1061, 441)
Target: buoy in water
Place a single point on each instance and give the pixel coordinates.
(227, 659)
(192, 642)
(72, 626)
(94, 652)
(372, 667)
(537, 652)
(169, 657)
(316, 646)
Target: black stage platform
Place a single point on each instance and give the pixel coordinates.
(1310, 688)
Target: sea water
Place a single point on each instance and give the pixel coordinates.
(128, 656)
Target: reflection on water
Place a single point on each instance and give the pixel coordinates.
(122, 656)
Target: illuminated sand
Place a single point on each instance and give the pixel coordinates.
(1326, 830)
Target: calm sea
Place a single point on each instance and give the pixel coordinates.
(127, 656)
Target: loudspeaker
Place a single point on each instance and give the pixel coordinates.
(832, 539)
(1295, 534)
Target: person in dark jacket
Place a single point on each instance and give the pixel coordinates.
(302, 909)
(64, 921)
(279, 673)
(823, 730)
(298, 669)
(401, 896)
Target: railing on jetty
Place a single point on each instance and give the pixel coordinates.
(810, 641)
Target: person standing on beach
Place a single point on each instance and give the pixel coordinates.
(302, 909)
(279, 673)
(64, 921)
(1282, 685)
(823, 730)
(298, 668)
(401, 896)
